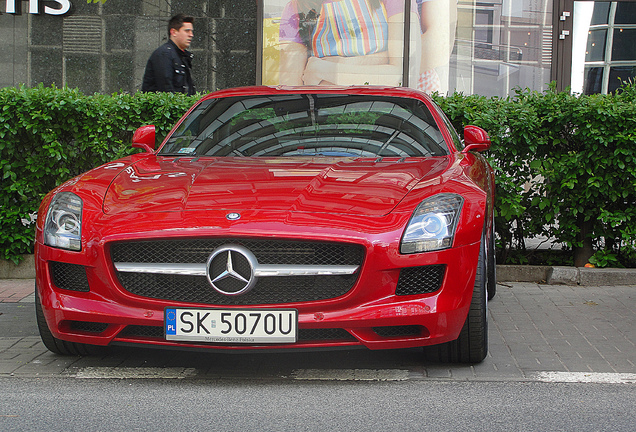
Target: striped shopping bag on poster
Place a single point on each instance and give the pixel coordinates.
(350, 28)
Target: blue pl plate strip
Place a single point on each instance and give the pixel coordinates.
(171, 321)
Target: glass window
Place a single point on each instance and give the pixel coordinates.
(625, 13)
(308, 125)
(501, 45)
(342, 42)
(593, 80)
(596, 45)
(593, 69)
(485, 47)
(619, 75)
(600, 14)
(624, 47)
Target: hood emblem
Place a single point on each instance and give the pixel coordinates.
(230, 270)
(233, 216)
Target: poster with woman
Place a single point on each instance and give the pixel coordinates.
(357, 42)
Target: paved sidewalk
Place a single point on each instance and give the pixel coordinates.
(17, 290)
(565, 328)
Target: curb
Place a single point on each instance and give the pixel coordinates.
(566, 275)
(24, 270)
(505, 273)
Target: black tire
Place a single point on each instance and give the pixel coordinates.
(472, 344)
(491, 284)
(56, 345)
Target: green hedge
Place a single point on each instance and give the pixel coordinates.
(566, 165)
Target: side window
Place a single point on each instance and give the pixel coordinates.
(459, 143)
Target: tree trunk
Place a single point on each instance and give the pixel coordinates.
(583, 253)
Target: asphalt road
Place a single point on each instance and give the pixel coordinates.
(57, 404)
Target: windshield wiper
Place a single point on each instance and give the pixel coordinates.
(387, 142)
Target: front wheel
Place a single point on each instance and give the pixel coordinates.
(472, 344)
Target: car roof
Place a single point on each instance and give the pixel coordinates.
(344, 90)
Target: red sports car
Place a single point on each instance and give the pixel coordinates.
(278, 218)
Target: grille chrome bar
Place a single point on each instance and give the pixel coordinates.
(161, 268)
(262, 270)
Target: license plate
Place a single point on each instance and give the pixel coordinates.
(248, 326)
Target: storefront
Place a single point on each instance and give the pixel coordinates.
(474, 47)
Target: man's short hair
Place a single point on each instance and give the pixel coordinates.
(176, 22)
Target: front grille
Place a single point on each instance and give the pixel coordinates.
(69, 276)
(333, 334)
(268, 290)
(271, 290)
(420, 280)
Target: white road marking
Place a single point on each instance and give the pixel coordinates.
(587, 377)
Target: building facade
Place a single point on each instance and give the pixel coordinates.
(481, 47)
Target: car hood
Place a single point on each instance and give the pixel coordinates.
(371, 187)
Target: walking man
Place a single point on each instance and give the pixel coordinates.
(169, 67)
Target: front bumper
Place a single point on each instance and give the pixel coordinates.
(370, 315)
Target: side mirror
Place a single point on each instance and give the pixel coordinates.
(476, 139)
(144, 138)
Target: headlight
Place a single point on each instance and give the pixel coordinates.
(433, 224)
(63, 225)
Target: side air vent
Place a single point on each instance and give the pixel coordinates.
(69, 276)
(420, 280)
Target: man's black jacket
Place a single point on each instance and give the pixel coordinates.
(169, 70)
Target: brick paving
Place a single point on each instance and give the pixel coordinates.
(533, 329)
(567, 328)
(16, 290)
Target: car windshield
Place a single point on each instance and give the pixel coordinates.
(308, 125)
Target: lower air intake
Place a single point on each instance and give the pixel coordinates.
(420, 280)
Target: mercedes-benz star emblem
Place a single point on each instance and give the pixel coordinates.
(230, 269)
